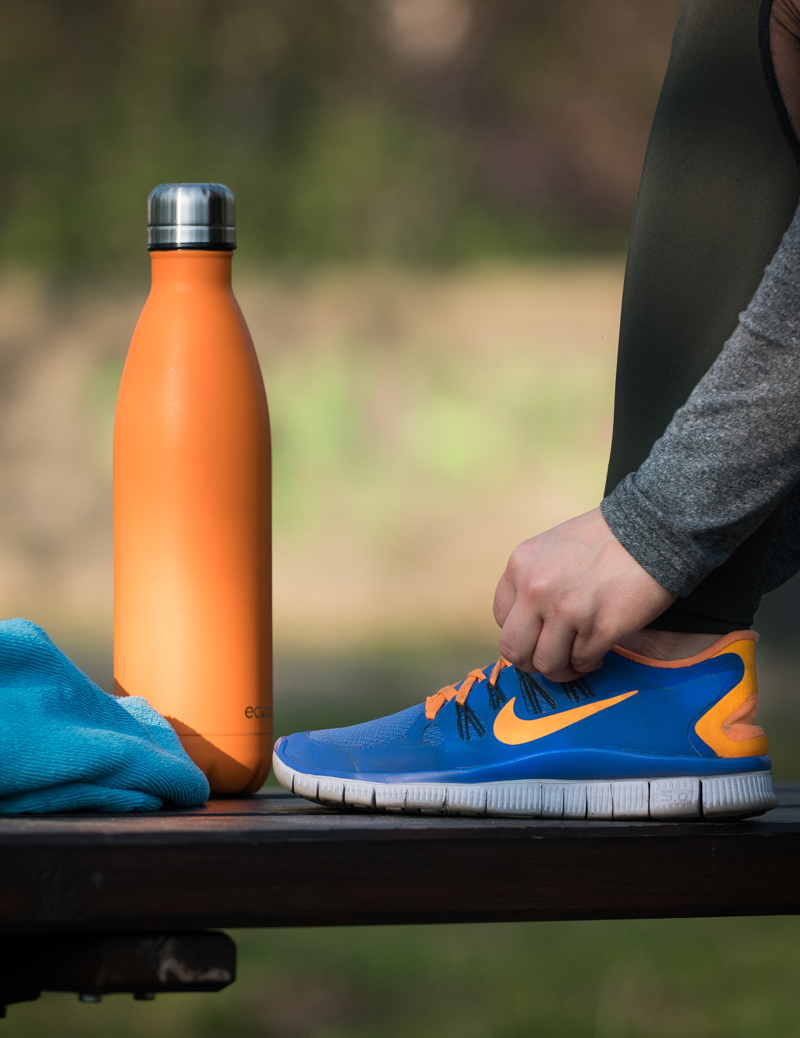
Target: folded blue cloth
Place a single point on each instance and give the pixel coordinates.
(65, 745)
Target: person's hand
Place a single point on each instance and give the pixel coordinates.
(568, 595)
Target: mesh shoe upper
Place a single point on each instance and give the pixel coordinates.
(370, 734)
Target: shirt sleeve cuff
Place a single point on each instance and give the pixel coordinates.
(647, 535)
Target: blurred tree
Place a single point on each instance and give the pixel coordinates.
(412, 130)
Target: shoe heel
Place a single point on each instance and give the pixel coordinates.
(737, 796)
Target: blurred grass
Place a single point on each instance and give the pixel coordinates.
(713, 978)
(419, 439)
(435, 131)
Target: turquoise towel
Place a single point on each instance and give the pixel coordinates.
(65, 745)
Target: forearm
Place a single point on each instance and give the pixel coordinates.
(731, 453)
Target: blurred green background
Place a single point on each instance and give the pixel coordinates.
(405, 130)
(433, 202)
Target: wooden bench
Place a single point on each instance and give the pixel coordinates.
(94, 886)
(277, 860)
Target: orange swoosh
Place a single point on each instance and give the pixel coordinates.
(513, 730)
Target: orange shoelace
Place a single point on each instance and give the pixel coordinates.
(434, 703)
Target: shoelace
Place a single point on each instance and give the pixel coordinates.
(434, 703)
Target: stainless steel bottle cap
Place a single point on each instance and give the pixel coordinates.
(191, 216)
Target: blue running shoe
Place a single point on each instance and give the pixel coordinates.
(636, 739)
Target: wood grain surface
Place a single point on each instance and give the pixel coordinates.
(276, 860)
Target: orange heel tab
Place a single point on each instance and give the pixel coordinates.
(723, 645)
(729, 727)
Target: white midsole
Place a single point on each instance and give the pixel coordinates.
(718, 796)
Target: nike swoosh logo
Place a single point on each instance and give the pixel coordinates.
(514, 731)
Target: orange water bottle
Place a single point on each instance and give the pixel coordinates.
(192, 572)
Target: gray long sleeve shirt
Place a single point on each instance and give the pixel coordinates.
(731, 454)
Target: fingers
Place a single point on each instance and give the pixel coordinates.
(552, 647)
(531, 639)
(537, 645)
(589, 649)
(554, 650)
(520, 635)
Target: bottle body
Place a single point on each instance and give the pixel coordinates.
(192, 554)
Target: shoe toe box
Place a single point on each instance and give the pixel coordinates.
(340, 749)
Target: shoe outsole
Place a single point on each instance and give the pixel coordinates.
(716, 797)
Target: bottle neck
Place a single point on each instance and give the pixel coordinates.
(176, 267)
